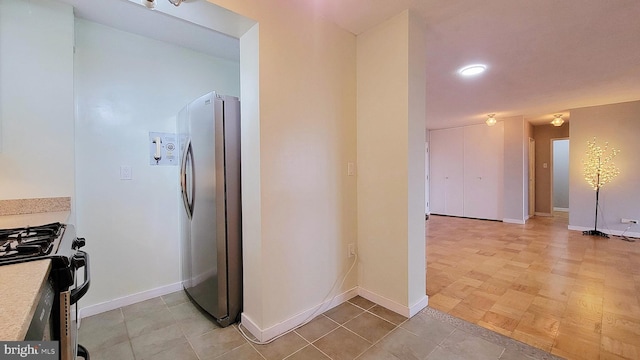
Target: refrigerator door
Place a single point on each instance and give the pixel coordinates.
(233, 207)
(208, 272)
(209, 135)
(185, 214)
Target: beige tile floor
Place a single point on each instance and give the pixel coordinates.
(171, 327)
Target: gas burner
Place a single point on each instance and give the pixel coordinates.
(29, 242)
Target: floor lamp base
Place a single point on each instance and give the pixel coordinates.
(595, 233)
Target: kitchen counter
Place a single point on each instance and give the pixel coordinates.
(14, 221)
(21, 284)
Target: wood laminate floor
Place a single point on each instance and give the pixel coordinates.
(575, 296)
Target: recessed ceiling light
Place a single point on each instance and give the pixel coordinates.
(471, 70)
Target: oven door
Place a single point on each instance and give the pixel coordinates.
(41, 326)
(68, 309)
(80, 260)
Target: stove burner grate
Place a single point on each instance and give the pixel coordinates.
(28, 242)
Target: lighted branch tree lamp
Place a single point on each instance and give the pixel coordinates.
(599, 170)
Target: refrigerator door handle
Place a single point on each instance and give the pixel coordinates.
(187, 196)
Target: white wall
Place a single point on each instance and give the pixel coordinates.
(618, 125)
(307, 203)
(391, 138)
(36, 99)
(560, 173)
(125, 86)
(516, 148)
(417, 89)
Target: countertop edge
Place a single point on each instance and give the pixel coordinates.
(16, 315)
(22, 220)
(21, 284)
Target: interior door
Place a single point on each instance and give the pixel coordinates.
(446, 148)
(483, 171)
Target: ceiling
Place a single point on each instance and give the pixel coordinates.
(544, 57)
(165, 23)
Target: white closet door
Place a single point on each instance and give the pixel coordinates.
(446, 149)
(483, 165)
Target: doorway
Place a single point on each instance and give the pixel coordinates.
(532, 177)
(426, 181)
(560, 175)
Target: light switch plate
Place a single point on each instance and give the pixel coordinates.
(126, 173)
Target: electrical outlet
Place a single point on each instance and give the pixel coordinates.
(628, 221)
(351, 252)
(351, 169)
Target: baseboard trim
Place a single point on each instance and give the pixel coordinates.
(542, 214)
(296, 320)
(630, 234)
(405, 311)
(251, 326)
(128, 300)
(514, 221)
(418, 306)
(561, 209)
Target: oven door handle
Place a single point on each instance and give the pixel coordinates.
(81, 259)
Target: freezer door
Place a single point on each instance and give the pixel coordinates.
(208, 272)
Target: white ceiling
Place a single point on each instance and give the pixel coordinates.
(544, 56)
(166, 23)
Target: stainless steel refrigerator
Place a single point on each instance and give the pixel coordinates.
(209, 138)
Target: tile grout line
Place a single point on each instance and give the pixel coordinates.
(254, 348)
(339, 326)
(181, 329)
(124, 322)
(303, 338)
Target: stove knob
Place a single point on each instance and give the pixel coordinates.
(78, 243)
(78, 261)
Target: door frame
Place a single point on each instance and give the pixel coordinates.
(532, 176)
(427, 211)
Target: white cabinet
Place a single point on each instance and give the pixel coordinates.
(466, 171)
(446, 148)
(483, 171)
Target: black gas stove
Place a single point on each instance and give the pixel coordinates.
(56, 309)
(22, 244)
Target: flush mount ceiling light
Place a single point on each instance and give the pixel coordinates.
(557, 121)
(491, 120)
(471, 70)
(151, 4)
